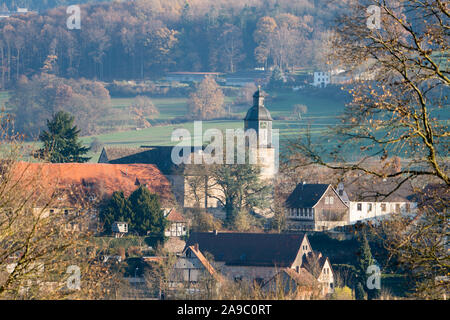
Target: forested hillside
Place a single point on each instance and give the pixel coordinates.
(41, 5)
(146, 38)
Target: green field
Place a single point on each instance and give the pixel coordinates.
(121, 128)
(322, 113)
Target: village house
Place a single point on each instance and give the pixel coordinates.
(321, 79)
(315, 279)
(293, 285)
(177, 223)
(75, 189)
(315, 207)
(367, 205)
(119, 229)
(190, 269)
(259, 257)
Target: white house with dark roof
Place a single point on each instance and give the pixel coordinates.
(366, 203)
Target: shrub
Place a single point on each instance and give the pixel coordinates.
(344, 293)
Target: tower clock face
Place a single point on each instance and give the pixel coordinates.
(263, 125)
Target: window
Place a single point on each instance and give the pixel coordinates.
(383, 207)
(327, 200)
(369, 207)
(359, 206)
(408, 207)
(331, 200)
(341, 193)
(397, 208)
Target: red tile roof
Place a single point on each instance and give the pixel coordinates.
(175, 216)
(107, 177)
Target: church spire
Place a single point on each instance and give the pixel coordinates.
(258, 98)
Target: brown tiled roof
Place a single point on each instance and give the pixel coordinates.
(250, 249)
(303, 277)
(175, 216)
(106, 177)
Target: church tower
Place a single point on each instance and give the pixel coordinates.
(259, 119)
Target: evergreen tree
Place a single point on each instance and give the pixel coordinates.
(359, 292)
(118, 209)
(148, 216)
(364, 261)
(365, 257)
(61, 142)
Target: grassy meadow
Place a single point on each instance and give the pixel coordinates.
(322, 113)
(120, 126)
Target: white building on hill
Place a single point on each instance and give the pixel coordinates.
(364, 208)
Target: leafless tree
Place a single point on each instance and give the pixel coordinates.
(40, 237)
(400, 80)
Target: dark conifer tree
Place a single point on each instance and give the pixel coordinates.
(118, 209)
(61, 142)
(148, 216)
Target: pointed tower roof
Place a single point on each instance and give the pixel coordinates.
(258, 111)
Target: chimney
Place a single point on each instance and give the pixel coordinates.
(196, 247)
